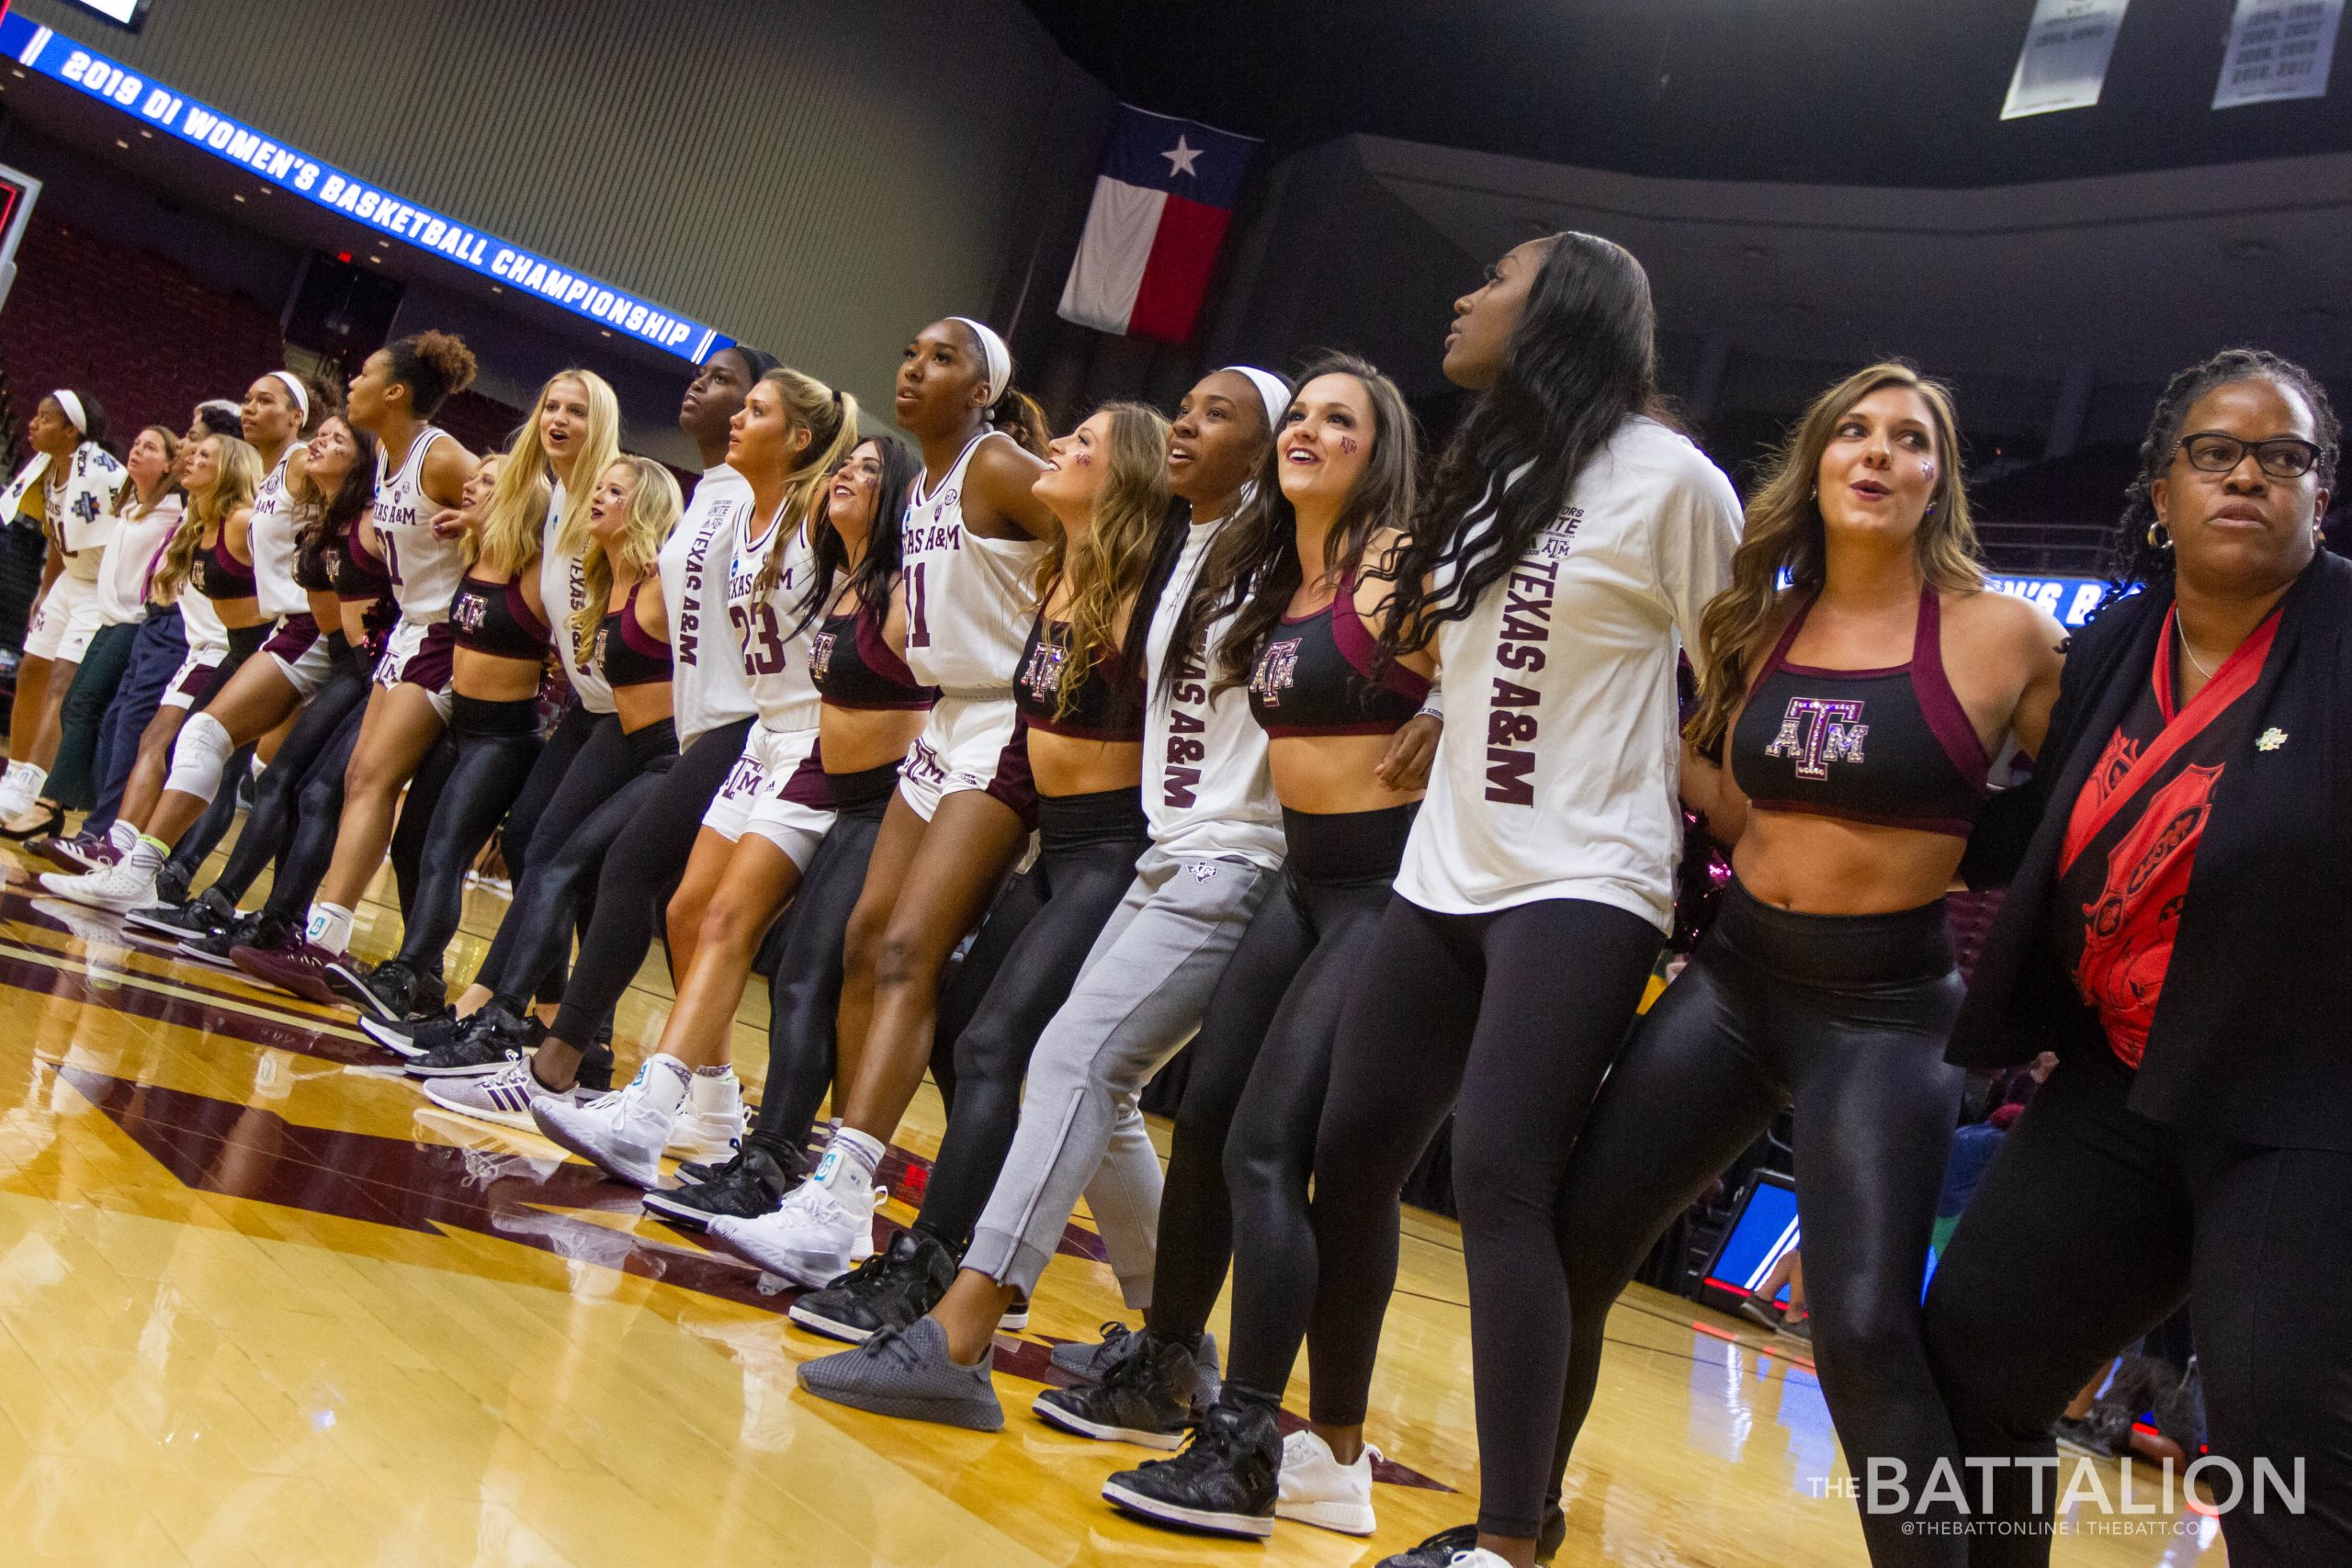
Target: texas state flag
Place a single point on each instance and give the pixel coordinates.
(1161, 205)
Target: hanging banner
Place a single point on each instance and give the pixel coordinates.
(1161, 205)
(2278, 48)
(2064, 63)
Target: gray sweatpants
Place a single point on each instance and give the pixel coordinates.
(1140, 997)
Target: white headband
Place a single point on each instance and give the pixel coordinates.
(1271, 389)
(998, 357)
(301, 393)
(71, 403)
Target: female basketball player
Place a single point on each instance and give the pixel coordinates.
(2179, 912)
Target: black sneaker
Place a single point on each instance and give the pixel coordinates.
(889, 1290)
(176, 922)
(1438, 1550)
(1224, 1481)
(746, 1187)
(260, 929)
(1089, 1363)
(1147, 1398)
(394, 990)
(171, 882)
(414, 1037)
(483, 1043)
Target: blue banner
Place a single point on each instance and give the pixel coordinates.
(152, 104)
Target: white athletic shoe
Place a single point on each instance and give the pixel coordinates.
(623, 1135)
(120, 888)
(504, 1099)
(1478, 1557)
(711, 1121)
(812, 1240)
(1316, 1489)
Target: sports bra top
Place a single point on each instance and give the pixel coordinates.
(219, 575)
(1892, 747)
(1108, 703)
(312, 571)
(854, 668)
(494, 618)
(1314, 677)
(627, 654)
(357, 572)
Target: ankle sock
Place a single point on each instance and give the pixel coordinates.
(851, 1159)
(330, 927)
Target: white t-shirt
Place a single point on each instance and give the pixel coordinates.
(1556, 777)
(776, 662)
(707, 687)
(272, 544)
(969, 600)
(1208, 792)
(564, 589)
(122, 576)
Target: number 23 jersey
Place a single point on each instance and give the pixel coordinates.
(767, 627)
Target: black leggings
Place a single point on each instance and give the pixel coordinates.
(2091, 1226)
(518, 840)
(1263, 1055)
(1516, 1014)
(599, 796)
(640, 872)
(493, 746)
(1086, 862)
(204, 834)
(278, 796)
(318, 815)
(1845, 1016)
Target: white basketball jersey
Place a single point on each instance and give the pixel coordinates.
(776, 657)
(564, 589)
(273, 545)
(969, 600)
(707, 686)
(424, 569)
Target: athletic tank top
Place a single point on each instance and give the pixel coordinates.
(1314, 677)
(707, 687)
(424, 568)
(219, 575)
(1892, 747)
(564, 589)
(625, 653)
(272, 544)
(775, 661)
(969, 600)
(1107, 706)
(494, 618)
(360, 579)
(854, 668)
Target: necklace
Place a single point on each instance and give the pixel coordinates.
(2189, 652)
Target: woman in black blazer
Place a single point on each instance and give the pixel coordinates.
(2178, 929)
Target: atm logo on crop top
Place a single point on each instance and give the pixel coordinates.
(1817, 731)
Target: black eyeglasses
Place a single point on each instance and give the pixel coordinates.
(2282, 458)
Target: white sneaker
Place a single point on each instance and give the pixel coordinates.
(812, 1240)
(711, 1121)
(1479, 1557)
(622, 1134)
(1314, 1488)
(120, 888)
(504, 1098)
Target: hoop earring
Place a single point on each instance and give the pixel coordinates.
(2159, 536)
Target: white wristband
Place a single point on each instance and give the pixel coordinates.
(1433, 706)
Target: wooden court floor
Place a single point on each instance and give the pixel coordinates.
(261, 1302)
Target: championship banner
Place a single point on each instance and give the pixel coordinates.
(1161, 205)
(2278, 48)
(2064, 63)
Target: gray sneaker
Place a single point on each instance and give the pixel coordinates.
(1092, 1362)
(906, 1373)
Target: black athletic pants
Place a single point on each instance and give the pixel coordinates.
(1244, 1144)
(318, 816)
(493, 746)
(1508, 1019)
(518, 840)
(640, 872)
(1086, 861)
(594, 804)
(277, 797)
(1845, 1018)
(2091, 1226)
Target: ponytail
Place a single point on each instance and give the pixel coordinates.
(830, 418)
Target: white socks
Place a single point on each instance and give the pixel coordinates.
(663, 1085)
(145, 857)
(330, 927)
(847, 1169)
(716, 1090)
(122, 836)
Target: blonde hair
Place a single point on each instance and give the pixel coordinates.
(654, 504)
(1784, 533)
(1105, 568)
(510, 532)
(239, 480)
(831, 419)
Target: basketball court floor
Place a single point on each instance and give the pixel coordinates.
(261, 1302)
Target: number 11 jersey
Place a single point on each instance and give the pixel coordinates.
(768, 628)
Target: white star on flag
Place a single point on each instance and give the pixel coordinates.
(1180, 159)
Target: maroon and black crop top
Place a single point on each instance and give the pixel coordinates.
(1892, 747)
(627, 654)
(1107, 706)
(1314, 677)
(854, 668)
(219, 575)
(494, 618)
(358, 572)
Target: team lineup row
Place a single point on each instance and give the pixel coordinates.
(1151, 722)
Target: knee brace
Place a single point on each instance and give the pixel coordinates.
(200, 756)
